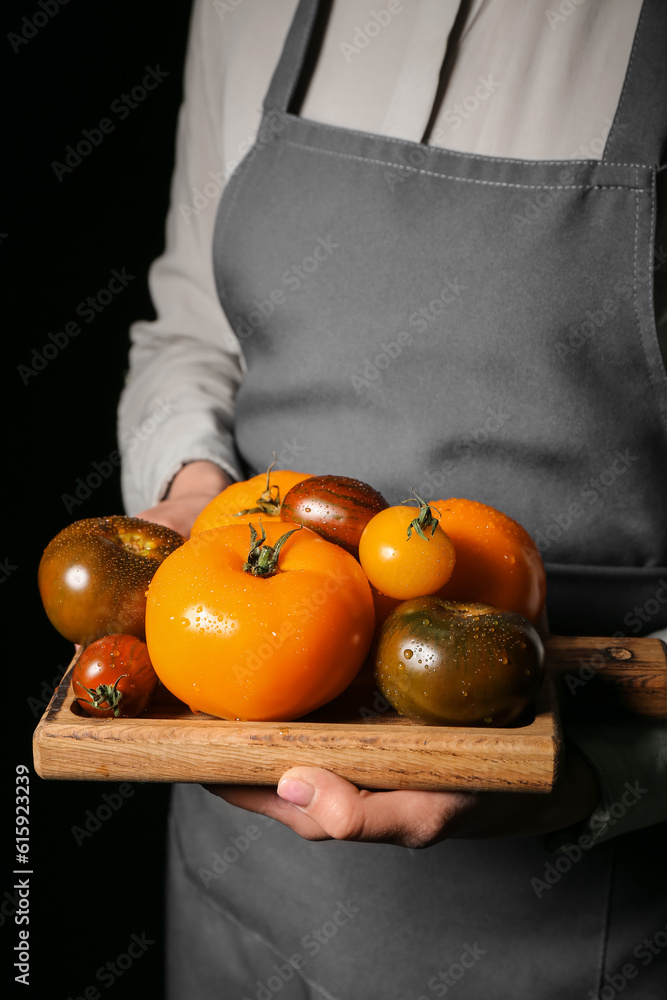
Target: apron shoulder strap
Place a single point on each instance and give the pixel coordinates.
(639, 130)
(288, 71)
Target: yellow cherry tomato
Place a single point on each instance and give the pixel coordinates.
(405, 553)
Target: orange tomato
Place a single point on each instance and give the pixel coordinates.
(246, 495)
(241, 646)
(497, 562)
(398, 560)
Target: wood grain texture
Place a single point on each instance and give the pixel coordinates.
(604, 676)
(358, 736)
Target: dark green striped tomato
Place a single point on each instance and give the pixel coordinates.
(336, 507)
(458, 664)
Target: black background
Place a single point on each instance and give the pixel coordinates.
(60, 242)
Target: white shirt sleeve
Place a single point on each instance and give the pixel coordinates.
(185, 366)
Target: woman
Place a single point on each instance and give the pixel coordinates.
(409, 246)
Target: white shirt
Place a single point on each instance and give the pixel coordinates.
(528, 81)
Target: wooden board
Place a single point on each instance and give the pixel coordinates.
(603, 676)
(358, 736)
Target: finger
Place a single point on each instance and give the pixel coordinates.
(265, 800)
(345, 812)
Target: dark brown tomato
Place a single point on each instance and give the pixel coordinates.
(93, 576)
(114, 677)
(336, 507)
(458, 664)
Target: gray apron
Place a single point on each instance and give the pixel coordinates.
(404, 322)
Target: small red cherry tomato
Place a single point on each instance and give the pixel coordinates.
(405, 553)
(114, 677)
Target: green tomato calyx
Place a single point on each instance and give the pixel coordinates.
(263, 559)
(424, 519)
(104, 696)
(269, 501)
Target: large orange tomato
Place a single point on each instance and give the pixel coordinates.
(242, 646)
(497, 562)
(262, 495)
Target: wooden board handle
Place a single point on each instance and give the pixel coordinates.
(602, 675)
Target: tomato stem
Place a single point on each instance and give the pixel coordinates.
(108, 693)
(424, 519)
(263, 559)
(269, 501)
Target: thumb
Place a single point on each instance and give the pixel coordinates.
(336, 805)
(345, 812)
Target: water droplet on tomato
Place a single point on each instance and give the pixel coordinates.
(185, 622)
(407, 653)
(426, 621)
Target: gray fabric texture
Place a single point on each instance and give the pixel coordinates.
(401, 326)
